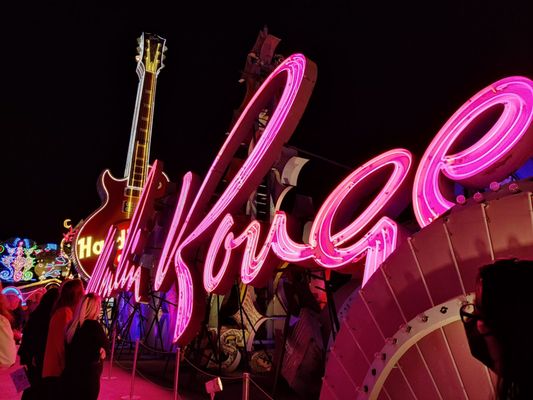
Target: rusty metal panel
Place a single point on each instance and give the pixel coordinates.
(435, 352)
(470, 241)
(417, 374)
(474, 374)
(326, 393)
(380, 301)
(363, 328)
(397, 386)
(338, 381)
(406, 282)
(350, 355)
(436, 262)
(510, 227)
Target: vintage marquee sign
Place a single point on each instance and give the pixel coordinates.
(335, 241)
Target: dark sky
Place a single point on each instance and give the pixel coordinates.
(387, 77)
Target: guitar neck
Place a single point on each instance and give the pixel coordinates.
(149, 63)
(139, 149)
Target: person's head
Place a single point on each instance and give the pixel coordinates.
(34, 299)
(70, 294)
(88, 308)
(13, 301)
(504, 300)
(47, 301)
(4, 309)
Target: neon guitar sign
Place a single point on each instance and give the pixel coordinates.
(337, 240)
(120, 196)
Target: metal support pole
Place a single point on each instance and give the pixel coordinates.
(114, 337)
(282, 354)
(131, 396)
(176, 373)
(246, 386)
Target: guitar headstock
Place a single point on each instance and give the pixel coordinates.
(151, 52)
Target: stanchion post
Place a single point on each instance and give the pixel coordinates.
(113, 339)
(131, 396)
(246, 386)
(134, 367)
(176, 373)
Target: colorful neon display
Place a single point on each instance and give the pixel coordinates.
(489, 159)
(19, 261)
(15, 292)
(336, 241)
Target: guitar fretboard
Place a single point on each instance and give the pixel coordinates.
(139, 148)
(139, 162)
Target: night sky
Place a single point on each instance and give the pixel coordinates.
(387, 77)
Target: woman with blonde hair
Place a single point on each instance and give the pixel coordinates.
(86, 345)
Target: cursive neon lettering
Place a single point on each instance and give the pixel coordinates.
(489, 159)
(335, 240)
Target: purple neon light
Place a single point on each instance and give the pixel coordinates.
(497, 154)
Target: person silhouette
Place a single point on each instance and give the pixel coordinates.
(70, 294)
(497, 325)
(34, 337)
(86, 347)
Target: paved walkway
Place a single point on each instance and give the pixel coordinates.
(111, 389)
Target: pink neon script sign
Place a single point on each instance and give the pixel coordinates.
(336, 241)
(504, 148)
(296, 76)
(381, 239)
(325, 247)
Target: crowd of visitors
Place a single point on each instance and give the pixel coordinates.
(62, 343)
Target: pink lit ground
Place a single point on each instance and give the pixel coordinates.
(110, 389)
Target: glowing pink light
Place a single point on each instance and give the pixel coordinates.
(381, 238)
(100, 281)
(215, 283)
(333, 243)
(504, 148)
(188, 186)
(257, 267)
(127, 274)
(324, 247)
(296, 77)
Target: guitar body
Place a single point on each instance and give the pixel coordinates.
(89, 240)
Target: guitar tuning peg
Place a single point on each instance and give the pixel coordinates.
(165, 48)
(163, 57)
(139, 39)
(137, 58)
(138, 50)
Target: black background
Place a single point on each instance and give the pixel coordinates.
(387, 77)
